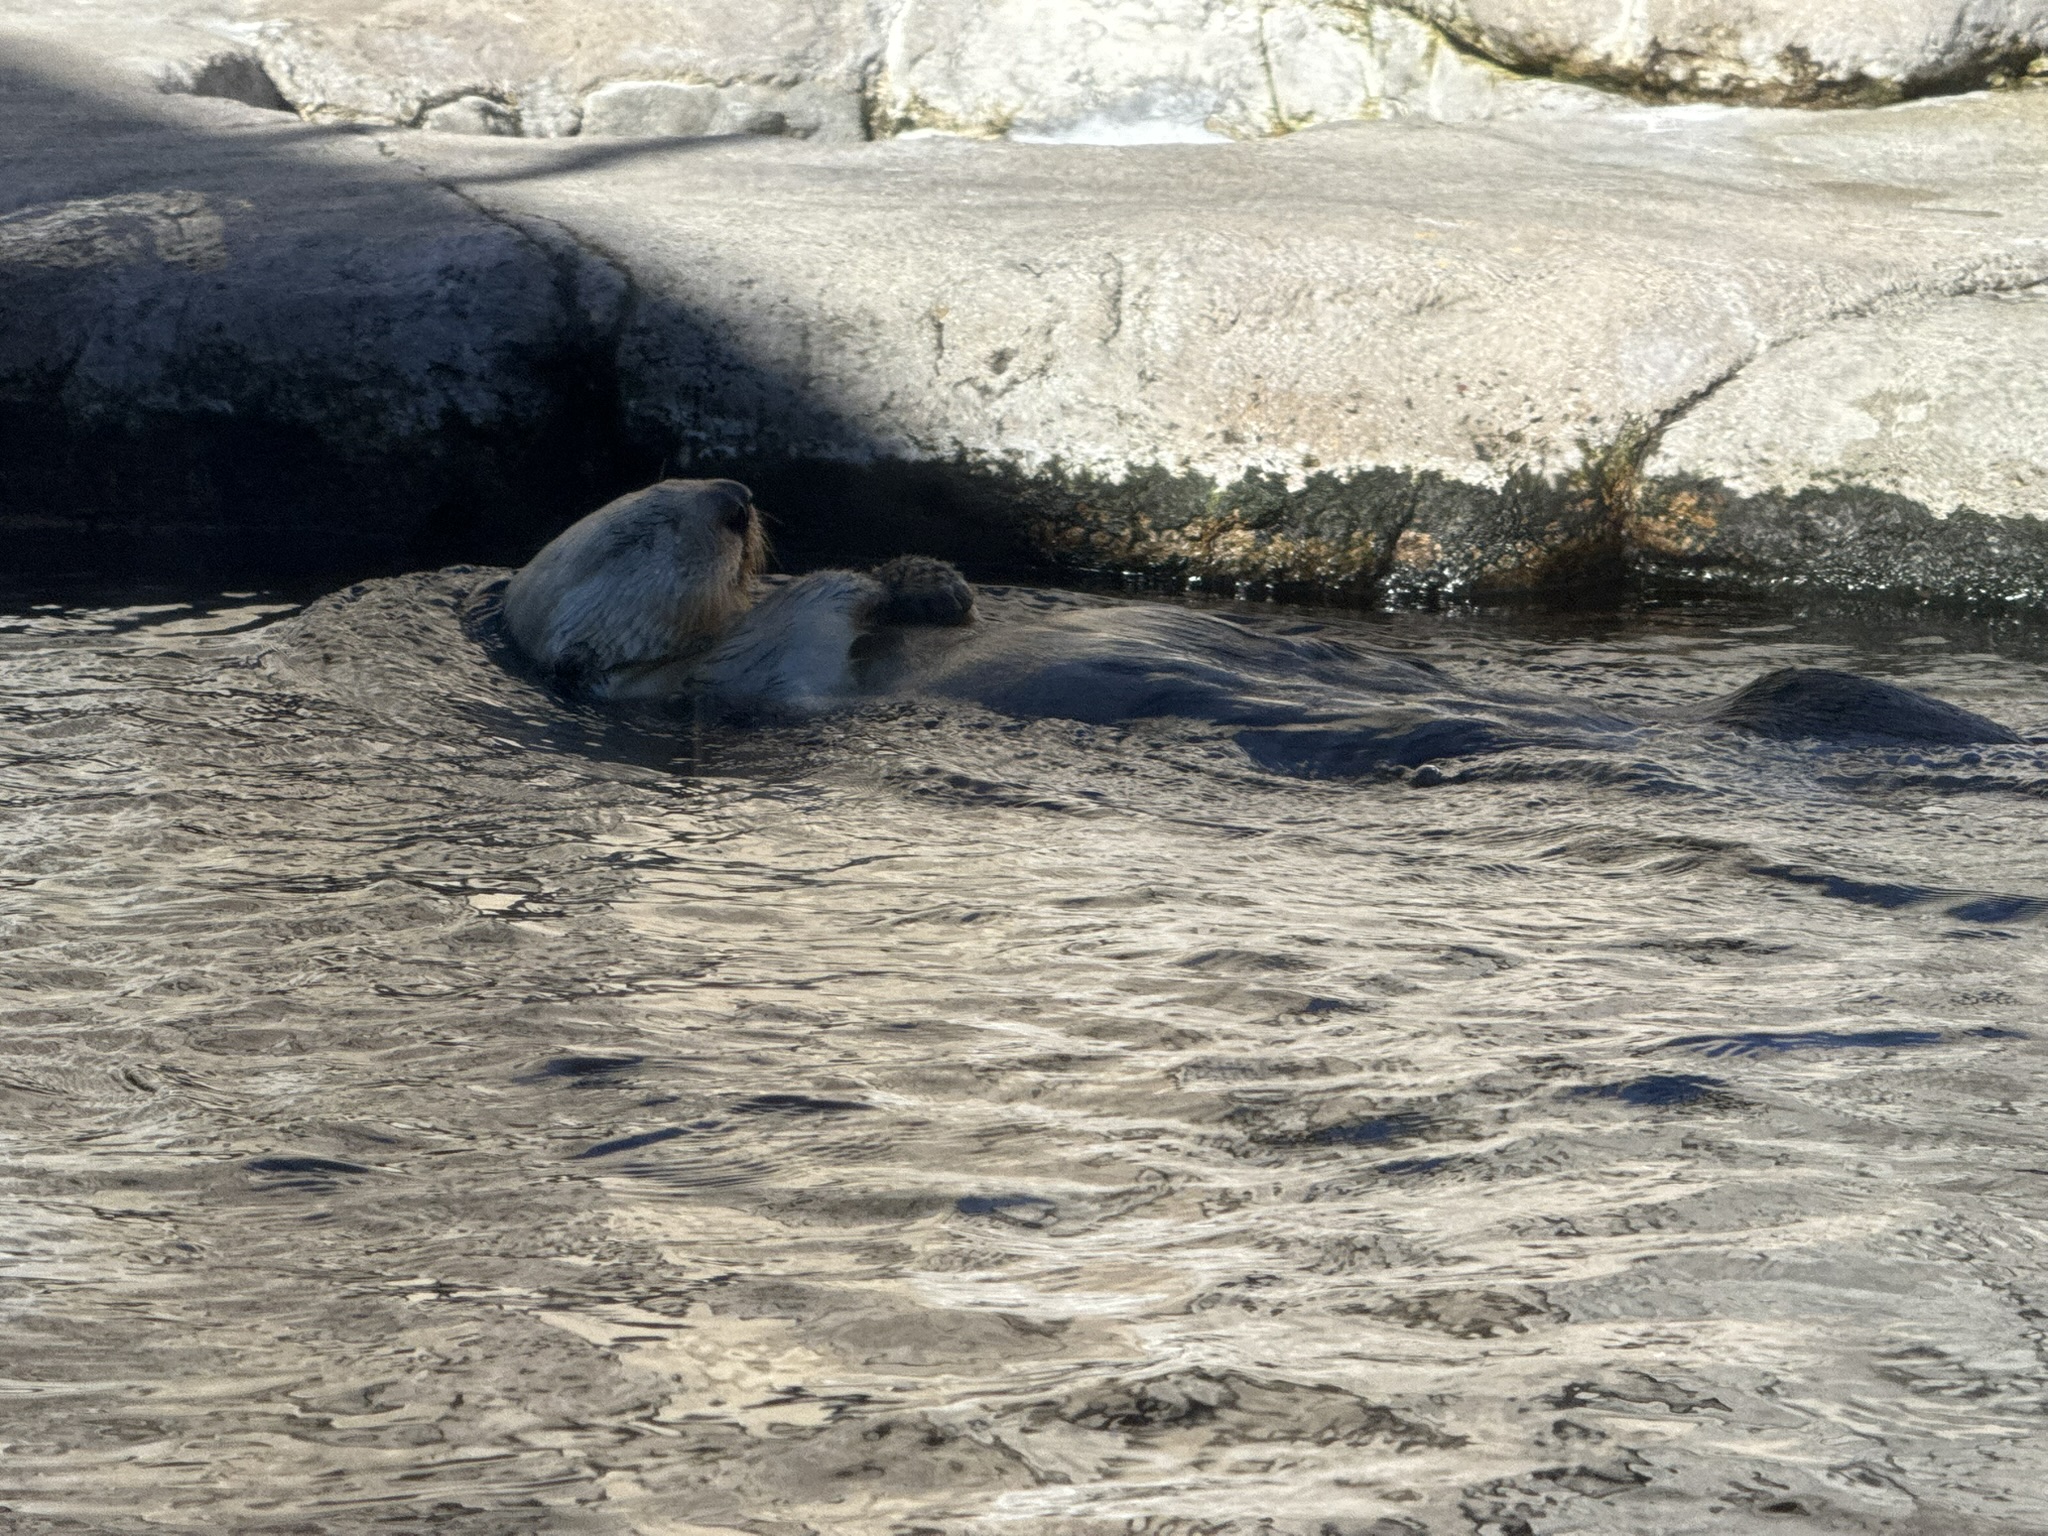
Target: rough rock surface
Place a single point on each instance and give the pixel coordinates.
(1109, 71)
(1939, 403)
(831, 69)
(1453, 374)
(839, 69)
(1770, 52)
(227, 337)
(533, 63)
(1097, 70)
(543, 60)
(1470, 358)
(1822, 454)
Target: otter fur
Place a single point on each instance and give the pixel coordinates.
(658, 593)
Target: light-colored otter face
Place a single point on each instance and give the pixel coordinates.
(641, 582)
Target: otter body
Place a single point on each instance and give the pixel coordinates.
(657, 594)
(1820, 703)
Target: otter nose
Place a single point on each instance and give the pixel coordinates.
(739, 517)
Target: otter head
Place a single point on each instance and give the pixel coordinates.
(641, 582)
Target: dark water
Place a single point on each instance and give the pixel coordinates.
(431, 1106)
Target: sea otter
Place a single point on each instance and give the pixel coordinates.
(658, 593)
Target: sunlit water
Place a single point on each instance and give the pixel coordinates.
(430, 1105)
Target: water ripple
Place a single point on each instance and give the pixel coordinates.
(429, 1102)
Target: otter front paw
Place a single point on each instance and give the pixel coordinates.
(920, 590)
(576, 674)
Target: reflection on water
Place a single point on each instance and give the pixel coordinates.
(432, 1106)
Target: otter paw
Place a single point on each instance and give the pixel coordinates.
(921, 590)
(577, 675)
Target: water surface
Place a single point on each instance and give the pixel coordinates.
(429, 1104)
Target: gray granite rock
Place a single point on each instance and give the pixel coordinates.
(1771, 52)
(1106, 70)
(669, 109)
(229, 338)
(1391, 354)
(1940, 402)
(390, 62)
(1127, 71)
(472, 114)
(1430, 356)
(1905, 448)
